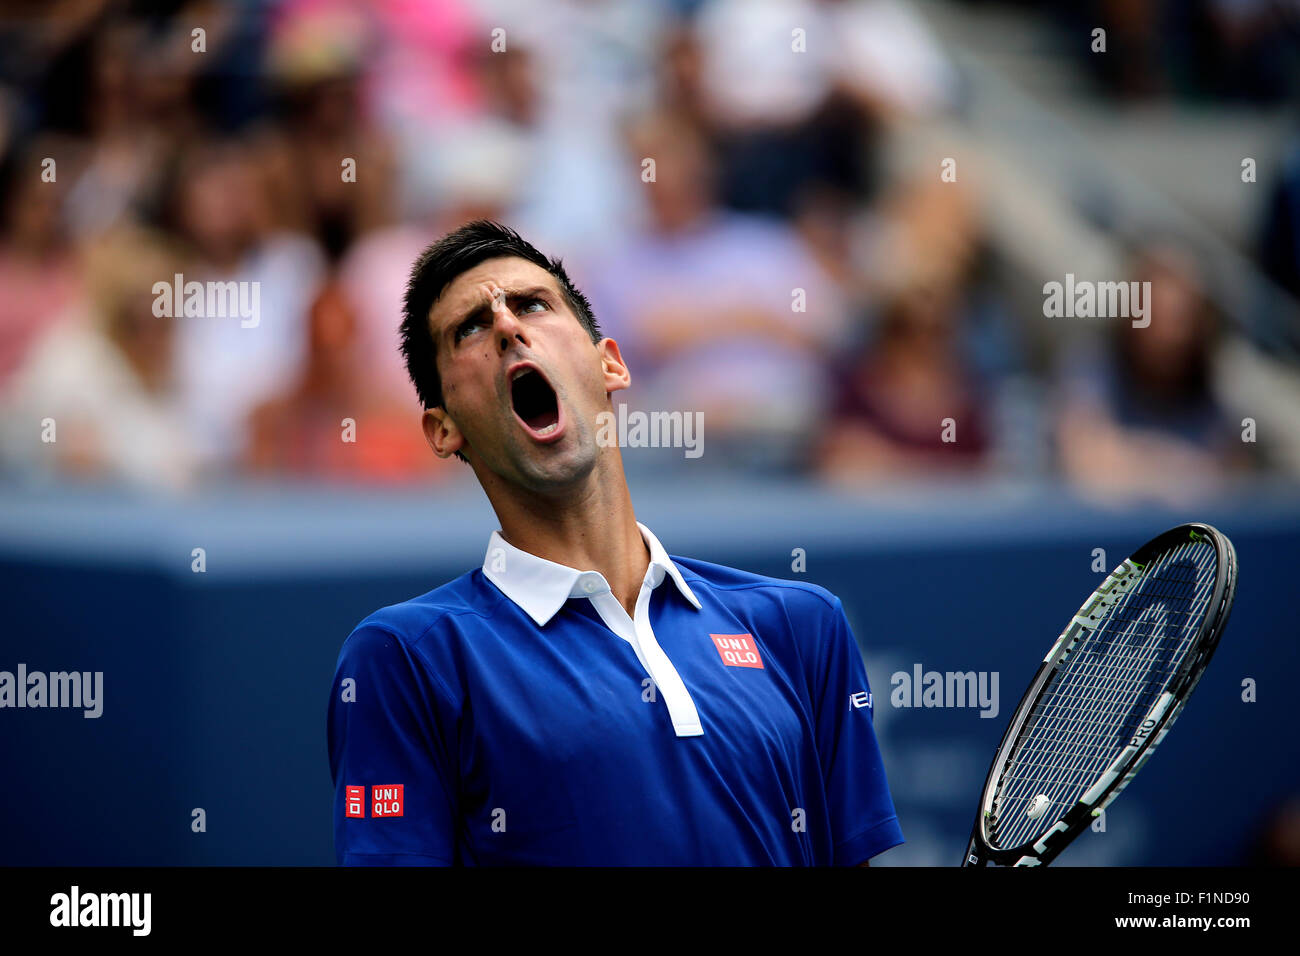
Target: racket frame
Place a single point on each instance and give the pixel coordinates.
(1043, 849)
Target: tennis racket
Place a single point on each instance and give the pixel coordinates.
(1105, 696)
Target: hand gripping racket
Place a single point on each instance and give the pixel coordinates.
(1105, 696)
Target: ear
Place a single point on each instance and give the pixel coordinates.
(612, 366)
(441, 432)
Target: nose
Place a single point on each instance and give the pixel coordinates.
(506, 326)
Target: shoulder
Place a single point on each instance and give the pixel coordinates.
(425, 621)
(411, 648)
(733, 586)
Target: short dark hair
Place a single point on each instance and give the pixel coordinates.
(439, 265)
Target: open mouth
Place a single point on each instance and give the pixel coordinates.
(534, 401)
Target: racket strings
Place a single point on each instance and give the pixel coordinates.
(1092, 706)
(1115, 675)
(1073, 754)
(1123, 688)
(1112, 678)
(1054, 753)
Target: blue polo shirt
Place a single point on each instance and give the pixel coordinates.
(519, 716)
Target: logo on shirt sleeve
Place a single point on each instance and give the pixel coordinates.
(387, 801)
(355, 801)
(737, 650)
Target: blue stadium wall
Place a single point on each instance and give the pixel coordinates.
(216, 683)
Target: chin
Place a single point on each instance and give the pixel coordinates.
(560, 474)
(556, 467)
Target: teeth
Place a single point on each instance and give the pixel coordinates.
(548, 429)
(518, 372)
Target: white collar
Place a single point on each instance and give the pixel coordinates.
(541, 587)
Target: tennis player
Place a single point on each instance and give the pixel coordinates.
(583, 697)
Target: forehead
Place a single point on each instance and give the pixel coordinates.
(478, 285)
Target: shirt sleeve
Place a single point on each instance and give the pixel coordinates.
(391, 758)
(863, 820)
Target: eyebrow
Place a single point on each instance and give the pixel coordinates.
(512, 295)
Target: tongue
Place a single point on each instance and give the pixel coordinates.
(542, 420)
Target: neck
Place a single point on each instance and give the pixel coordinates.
(591, 527)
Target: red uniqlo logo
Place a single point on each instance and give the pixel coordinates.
(737, 650)
(355, 801)
(387, 801)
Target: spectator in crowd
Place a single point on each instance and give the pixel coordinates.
(910, 402)
(333, 424)
(414, 57)
(219, 211)
(718, 312)
(332, 168)
(568, 74)
(127, 95)
(96, 396)
(40, 271)
(789, 111)
(923, 391)
(1144, 421)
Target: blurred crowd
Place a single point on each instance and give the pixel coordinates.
(833, 317)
